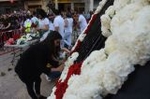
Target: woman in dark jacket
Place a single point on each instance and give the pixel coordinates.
(34, 60)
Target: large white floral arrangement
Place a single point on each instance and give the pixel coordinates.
(126, 26)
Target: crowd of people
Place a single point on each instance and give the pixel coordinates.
(9, 23)
(39, 20)
(63, 22)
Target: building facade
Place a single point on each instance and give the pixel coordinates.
(7, 6)
(84, 5)
(33, 4)
(64, 5)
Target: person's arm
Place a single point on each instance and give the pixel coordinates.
(59, 68)
(9, 24)
(65, 50)
(57, 28)
(56, 25)
(46, 25)
(45, 28)
(56, 65)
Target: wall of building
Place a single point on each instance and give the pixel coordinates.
(78, 5)
(6, 6)
(64, 5)
(33, 4)
(96, 3)
(69, 4)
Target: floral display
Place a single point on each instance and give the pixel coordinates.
(104, 71)
(25, 38)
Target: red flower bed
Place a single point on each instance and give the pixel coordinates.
(62, 86)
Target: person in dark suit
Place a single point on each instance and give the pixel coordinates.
(33, 62)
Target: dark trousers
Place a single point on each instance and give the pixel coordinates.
(33, 87)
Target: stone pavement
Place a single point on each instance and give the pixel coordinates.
(10, 85)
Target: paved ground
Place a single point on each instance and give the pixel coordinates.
(10, 85)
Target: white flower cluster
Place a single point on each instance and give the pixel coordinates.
(105, 21)
(25, 38)
(128, 43)
(68, 63)
(101, 4)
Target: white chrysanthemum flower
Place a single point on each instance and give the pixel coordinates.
(68, 63)
(111, 82)
(101, 4)
(139, 34)
(110, 11)
(119, 63)
(69, 96)
(86, 91)
(119, 4)
(52, 96)
(110, 44)
(126, 15)
(143, 2)
(82, 36)
(95, 57)
(71, 59)
(105, 25)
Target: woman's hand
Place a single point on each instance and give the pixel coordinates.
(65, 50)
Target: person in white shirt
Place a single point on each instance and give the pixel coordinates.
(82, 22)
(51, 20)
(59, 25)
(43, 26)
(68, 30)
(34, 20)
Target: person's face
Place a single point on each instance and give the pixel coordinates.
(57, 42)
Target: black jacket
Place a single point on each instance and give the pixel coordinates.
(33, 62)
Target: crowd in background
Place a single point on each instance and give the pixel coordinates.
(65, 23)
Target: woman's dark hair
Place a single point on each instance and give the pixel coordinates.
(49, 42)
(41, 12)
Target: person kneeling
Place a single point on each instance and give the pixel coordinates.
(33, 62)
